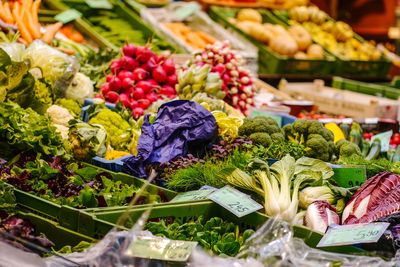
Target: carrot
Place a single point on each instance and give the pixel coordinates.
(77, 37)
(35, 12)
(21, 27)
(206, 37)
(2, 14)
(51, 31)
(28, 20)
(7, 13)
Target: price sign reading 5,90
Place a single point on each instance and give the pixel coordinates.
(339, 235)
(235, 201)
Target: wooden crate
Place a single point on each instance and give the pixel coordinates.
(342, 102)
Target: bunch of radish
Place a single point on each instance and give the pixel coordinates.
(237, 81)
(139, 78)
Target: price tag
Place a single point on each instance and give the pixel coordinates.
(349, 175)
(158, 248)
(371, 120)
(192, 195)
(385, 140)
(256, 112)
(339, 235)
(99, 4)
(186, 11)
(68, 16)
(235, 201)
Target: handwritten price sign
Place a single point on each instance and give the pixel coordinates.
(235, 201)
(339, 235)
(192, 195)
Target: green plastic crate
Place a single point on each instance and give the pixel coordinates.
(59, 235)
(381, 90)
(69, 217)
(351, 68)
(269, 61)
(209, 209)
(100, 24)
(81, 25)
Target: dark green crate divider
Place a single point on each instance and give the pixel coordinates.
(210, 209)
(61, 236)
(269, 61)
(118, 8)
(356, 68)
(366, 88)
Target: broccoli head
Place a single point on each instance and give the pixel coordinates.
(348, 149)
(263, 139)
(317, 147)
(258, 125)
(288, 130)
(338, 144)
(277, 137)
(301, 126)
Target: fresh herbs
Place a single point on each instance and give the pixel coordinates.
(211, 172)
(215, 235)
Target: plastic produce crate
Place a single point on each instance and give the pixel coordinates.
(356, 68)
(374, 89)
(199, 21)
(61, 236)
(269, 61)
(210, 209)
(81, 25)
(68, 216)
(117, 25)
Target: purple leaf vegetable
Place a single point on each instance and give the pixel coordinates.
(319, 215)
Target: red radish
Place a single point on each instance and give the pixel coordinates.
(226, 78)
(167, 90)
(129, 63)
(129, 50)
(112, 96)
(115, 66)
(220, 68)
(139, 74)
(169, 66)
(159, 74)
(152, 63)
(144, 103)
(105, 88)
(127, 83)
(115, 84)
(138, 93)
(124, 74)
(152, 97)
(134, 104)
(147, 86)
(124, 100)
(109, 77)
(143, 54)
(137, 112)
(172, 80)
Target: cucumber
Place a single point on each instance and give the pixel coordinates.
(375, 150)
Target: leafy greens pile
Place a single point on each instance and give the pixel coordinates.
(215, 235)
(25, 130)
(68, 183)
